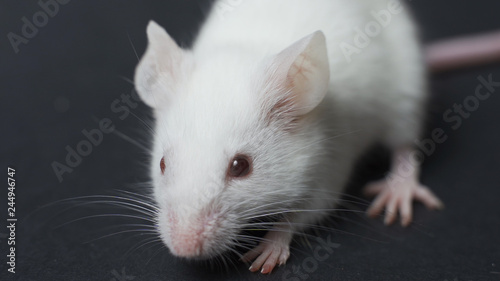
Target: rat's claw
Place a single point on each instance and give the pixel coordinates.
(274, 249)
(398, 199)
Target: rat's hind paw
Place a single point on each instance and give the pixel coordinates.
(399, 199)
(272, 250)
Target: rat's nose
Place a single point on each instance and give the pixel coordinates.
(192, 237)
(187, 242)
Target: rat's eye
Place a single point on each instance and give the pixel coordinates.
(162, 165)
(240, 166)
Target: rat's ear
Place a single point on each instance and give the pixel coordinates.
(302, 73)
(161, 67)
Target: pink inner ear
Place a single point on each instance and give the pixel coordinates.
(286, 84)
(298, 68)
(297, 79)
(281, 91)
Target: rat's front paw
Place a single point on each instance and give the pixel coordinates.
(272, 250)
(399, 198)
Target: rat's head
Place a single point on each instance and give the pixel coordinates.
(229, 136)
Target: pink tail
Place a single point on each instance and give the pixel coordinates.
(463, 52)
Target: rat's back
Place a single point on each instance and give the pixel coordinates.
(376, 70)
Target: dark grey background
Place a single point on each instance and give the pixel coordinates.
(68, 75)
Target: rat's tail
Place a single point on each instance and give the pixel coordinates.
(463, 52)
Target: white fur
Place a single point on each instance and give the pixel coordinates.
(212, 102)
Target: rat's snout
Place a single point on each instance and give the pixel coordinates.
(193, 236)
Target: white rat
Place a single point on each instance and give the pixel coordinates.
(266, 115)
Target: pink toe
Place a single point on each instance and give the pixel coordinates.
(257, 264)
(406, 212)
(391, 212)
(252, 254)
(424, 195)
(285, 254)
(271, 261)
(268, 267)
(378, 205)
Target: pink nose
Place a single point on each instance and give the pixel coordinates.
(187, 242)
(190, 236)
